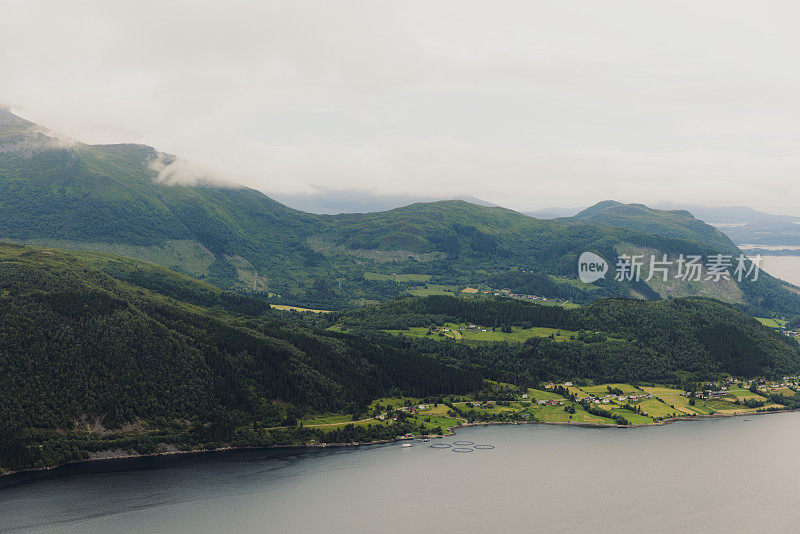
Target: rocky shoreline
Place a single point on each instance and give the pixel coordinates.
(122, 455)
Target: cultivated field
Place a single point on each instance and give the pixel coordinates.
(461, 331)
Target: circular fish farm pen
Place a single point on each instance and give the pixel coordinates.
(462, 449)
(441, 446)
(483, 447)
(465, 443)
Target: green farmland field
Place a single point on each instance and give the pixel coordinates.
(397, 277)
(460, 331)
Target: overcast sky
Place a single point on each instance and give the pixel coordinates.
(527, 104)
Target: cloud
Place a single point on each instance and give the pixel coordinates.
(524, 103)
(172, 170)
(29, 138)
(50, 138)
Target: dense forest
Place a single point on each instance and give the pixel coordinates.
(615, 339)
(78, 348)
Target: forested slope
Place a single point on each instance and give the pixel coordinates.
(618, 339)
(124, 199)
(678, 224)
(99, 352)
(79, 347)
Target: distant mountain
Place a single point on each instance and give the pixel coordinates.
(746, 226)
(325, 201)
(679, 224)
(730, 214)
(553, 213)
(743, 225)
(123, 199)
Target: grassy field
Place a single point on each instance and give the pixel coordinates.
(460, 331)
(440, 410)
(295, 308)
(396, 402)
(397, 277)
(557, 414)
(708, 406)
(672, 397)
(540, 394)
(701, 408)
(551, 414)
(432, 289)
(632, 417)
(669, 402)
(327, 418)
(660, 390)
(413, 331)
(721, 405)
(742, 394)
(772, 323)
(574, 282)
(432, 421)
(656, 408)
(483, 410)
(602, 389)
(517, 334)
(582, 416)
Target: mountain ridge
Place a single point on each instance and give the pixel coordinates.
(678, 223)
(109, 197)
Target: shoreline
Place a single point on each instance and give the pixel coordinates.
(5, 477)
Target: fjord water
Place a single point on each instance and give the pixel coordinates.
(786, 268)
(712, 475)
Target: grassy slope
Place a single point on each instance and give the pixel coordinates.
(74, 195)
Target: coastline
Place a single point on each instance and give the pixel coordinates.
(6, 479)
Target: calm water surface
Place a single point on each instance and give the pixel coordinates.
(786, 268)
(720, 475)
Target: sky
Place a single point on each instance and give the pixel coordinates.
(526, 104)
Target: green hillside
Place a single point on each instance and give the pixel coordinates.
(100, 353)
(109, 198)
(82, 351)
(678, 224)
(609, 340)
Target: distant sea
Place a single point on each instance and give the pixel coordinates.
(786, 268)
